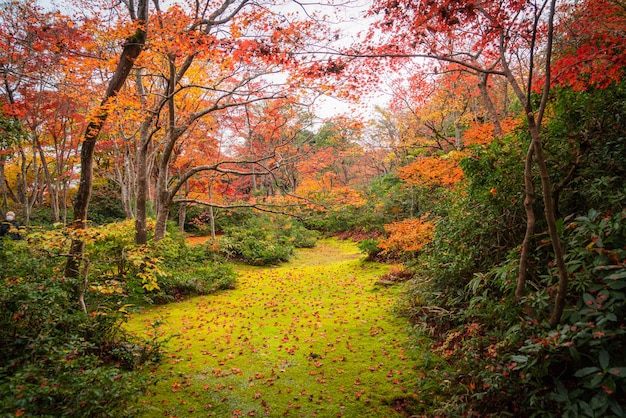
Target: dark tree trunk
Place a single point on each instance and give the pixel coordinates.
(132, 48)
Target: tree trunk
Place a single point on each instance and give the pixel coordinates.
(211, 211)
(4, 203)
(163, 212)
(530, 225)
(162, 195)
(491, 108)
(141, 232)
(52, 190)
(132, 48)
(182, 211)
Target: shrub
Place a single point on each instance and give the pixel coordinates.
(196, 280)
(584, 357)
(370, 248)
(105, 205)
(56, 360)
(407, 237)
(265, 240)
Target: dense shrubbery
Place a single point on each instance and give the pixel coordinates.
(60, 357)
(505, 356)
(387, 199)
(55, 359)
(264, 240)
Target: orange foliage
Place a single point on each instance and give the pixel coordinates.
(433, 171)
(328, 192)
(482, 133)
(407, 235)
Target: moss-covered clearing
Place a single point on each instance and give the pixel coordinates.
(314, 337)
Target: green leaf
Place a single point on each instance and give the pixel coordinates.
(586, 371)
(599, 402)
(617, 276)
(584, 407)
(589, 299)
(617, 285)
(595, 381)
(519, 358)
(604, 359)
(617, 409)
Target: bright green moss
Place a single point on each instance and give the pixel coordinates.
(314, 337)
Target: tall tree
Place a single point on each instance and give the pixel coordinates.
(131, 49)
(511, 39)
(204, 64)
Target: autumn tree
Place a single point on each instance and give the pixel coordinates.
(132, 47)
(510, 39)
(590, 44)
(203, 66)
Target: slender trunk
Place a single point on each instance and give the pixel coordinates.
(534, 127)
(141, 232)
(64, 203)
(458, 142)
(52, 190)
(130, 185)
(28, 201)
(182, 211)
(211, 212)
(162, 195)
(160, 228)
(529, 200)
(550, 214)
(124, 178)
(4, 203)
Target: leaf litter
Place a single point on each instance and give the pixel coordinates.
(311, 338)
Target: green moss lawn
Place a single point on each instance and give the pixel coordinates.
(312, 338)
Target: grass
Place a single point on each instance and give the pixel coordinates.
(314, 337)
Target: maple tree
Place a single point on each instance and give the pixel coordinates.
(591, 51)
(487, 38)
(407, 236)
(191, 80)
(132, 47)
(433, 170)
(35, 91)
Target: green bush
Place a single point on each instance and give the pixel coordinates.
(56, 360)
(265, 240)
(583, 359)
(195, 280)
(478, 225)
(466, 277)
(105, 205)
(370, 248)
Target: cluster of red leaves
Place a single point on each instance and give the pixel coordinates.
(593, 45)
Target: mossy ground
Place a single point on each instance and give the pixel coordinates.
(314, 337)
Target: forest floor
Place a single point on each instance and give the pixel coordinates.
(313, 337)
